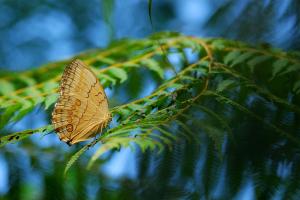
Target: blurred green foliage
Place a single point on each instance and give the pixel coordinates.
(230, 114)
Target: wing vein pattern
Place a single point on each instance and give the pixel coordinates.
(82, 108)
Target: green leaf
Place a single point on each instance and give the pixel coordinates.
(258, 60)
(243, 58)
(144, 144)
(118, 73)
(75, 157)
(202, 69)
(168, 134)
(26, 79)
(176, 86)
(124, 111)
(296, 87)
(218, 44)
(130, 65)
(290, 68)
(51, 99)
(104, 79)
(223, 85)
(35, 95)
(192, 44)
(27, 107)
(135, 107)
(6, 87)
(216, 134)
(110, 144)
(7, 114)
(278, 67)
(154, 66)
(108, 60)
(231, 56)
(22, 135)
(49, 86)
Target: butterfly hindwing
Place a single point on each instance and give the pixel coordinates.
(82, 108)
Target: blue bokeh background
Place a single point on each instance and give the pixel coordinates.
(36, 32)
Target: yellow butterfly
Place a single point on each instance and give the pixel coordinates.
(82, 108)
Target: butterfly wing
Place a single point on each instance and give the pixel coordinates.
(82, 108)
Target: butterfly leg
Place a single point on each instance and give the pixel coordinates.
(69, 143)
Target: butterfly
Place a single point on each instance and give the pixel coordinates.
(82, 107)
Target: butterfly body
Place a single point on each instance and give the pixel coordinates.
(82, 108)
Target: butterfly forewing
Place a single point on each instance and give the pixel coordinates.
(82, 108)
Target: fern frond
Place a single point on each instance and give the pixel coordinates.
(214, 76)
